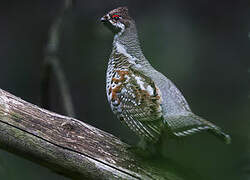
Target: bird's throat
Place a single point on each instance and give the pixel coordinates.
(127, 43)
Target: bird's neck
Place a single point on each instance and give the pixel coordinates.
(128, 44)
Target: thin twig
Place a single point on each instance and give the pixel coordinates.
(52, 65)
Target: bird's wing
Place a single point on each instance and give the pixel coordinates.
(177, 95)
(137, 101)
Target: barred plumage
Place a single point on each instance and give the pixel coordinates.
(141, 97)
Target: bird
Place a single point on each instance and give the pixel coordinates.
(140, 96)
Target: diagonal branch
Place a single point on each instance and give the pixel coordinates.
(71, 147)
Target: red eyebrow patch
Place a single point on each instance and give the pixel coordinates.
(115, 15)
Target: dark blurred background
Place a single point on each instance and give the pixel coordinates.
(201, 45)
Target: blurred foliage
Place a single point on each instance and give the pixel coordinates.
(202, 46)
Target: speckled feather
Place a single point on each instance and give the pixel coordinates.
(141, 97)
(133, 97)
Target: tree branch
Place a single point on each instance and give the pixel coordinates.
(52, 64)
(70, 147)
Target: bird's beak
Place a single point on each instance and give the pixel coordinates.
(104, 18)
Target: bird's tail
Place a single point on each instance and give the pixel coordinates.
(191, 124)
(215, 130)
(221, 135)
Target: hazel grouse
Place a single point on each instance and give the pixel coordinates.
(140, 96)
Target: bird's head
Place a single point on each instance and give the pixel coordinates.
(117, 20)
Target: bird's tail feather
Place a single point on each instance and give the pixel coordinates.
(221, 135)
(191, 124)
(215, 130)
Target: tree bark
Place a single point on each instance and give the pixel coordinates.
(69, 146)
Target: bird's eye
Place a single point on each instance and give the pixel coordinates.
(116, 17)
